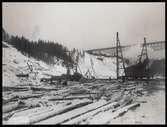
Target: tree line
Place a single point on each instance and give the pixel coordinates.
(46, 51)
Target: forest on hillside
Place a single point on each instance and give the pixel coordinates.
(47, 51)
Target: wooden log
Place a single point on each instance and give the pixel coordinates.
(8, 108)
(77, 93)
(74, 113)
(70, 98)
(29, 96)
(14, 88)
(11, 107)
(57, 111)
(90, 114)
(5, 101)
(107, 117)
(125, 101)
(22, 75)
(130, 88)
(116, 96)
(23, 120)
(54, 112)
(35, 111)
(16, 97)
(123, 111)
(6, 116)
(42, 89)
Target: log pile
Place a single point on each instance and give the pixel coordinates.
(73, 104)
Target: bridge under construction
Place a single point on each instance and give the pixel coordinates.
(141, 69)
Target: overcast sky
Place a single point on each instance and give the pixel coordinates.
(86, 25)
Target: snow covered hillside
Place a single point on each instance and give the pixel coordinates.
(99, 67)
(15, 63)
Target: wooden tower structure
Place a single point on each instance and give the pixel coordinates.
(119, 58)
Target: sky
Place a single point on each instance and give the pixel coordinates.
(86, 25)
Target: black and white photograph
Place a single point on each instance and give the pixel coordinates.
(83, 63)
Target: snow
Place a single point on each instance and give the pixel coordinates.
(15, 62)
(18, 120)
(98, 68)
(152, 112)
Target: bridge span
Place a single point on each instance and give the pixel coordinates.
(111, 51)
